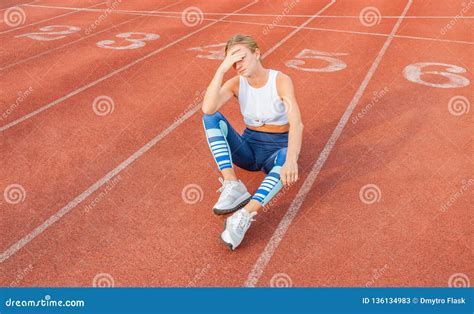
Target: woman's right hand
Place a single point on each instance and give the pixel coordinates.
(232, 57)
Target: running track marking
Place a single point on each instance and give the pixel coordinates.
(51, 18)
(107, 76)
(159, 14)
(18, 5)
(139, 12)
(78, 40)
(337, 31)
(286, 221)
(78, 199)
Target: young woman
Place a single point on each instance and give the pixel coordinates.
(270, 143)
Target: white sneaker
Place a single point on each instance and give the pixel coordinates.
(236, 226)
(234, 195)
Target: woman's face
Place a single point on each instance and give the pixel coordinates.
(248, 65)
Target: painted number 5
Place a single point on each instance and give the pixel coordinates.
(415, 72)
(134, 42)
(333, 65)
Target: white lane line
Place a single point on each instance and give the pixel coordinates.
(18, 5)
(140, 12)
(266, 255)
(107, 76)
(387, 35)
(160, 14)
(78, 199)
(49, 19)
(78, 40)
(298, 28)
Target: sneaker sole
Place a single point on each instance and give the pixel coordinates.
(229, 245)
(218, 211)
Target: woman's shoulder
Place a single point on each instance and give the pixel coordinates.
(234, 85)
(282, 78)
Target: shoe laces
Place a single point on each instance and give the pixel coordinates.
(242, 220)
(225, 188)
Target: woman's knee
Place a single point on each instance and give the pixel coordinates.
(281, 157)
(215, 117)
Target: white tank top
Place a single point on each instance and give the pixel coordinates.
(261, 106)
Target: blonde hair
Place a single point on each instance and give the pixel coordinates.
(242, 39)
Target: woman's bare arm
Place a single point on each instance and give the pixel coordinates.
(289, 171)
(217, 94)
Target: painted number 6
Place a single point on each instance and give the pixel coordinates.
(135, 42)
(414, 73)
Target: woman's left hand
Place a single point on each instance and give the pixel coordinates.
(289, 172)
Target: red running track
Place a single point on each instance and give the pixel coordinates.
(103, 194)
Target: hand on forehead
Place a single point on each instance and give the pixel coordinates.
(235, 49)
